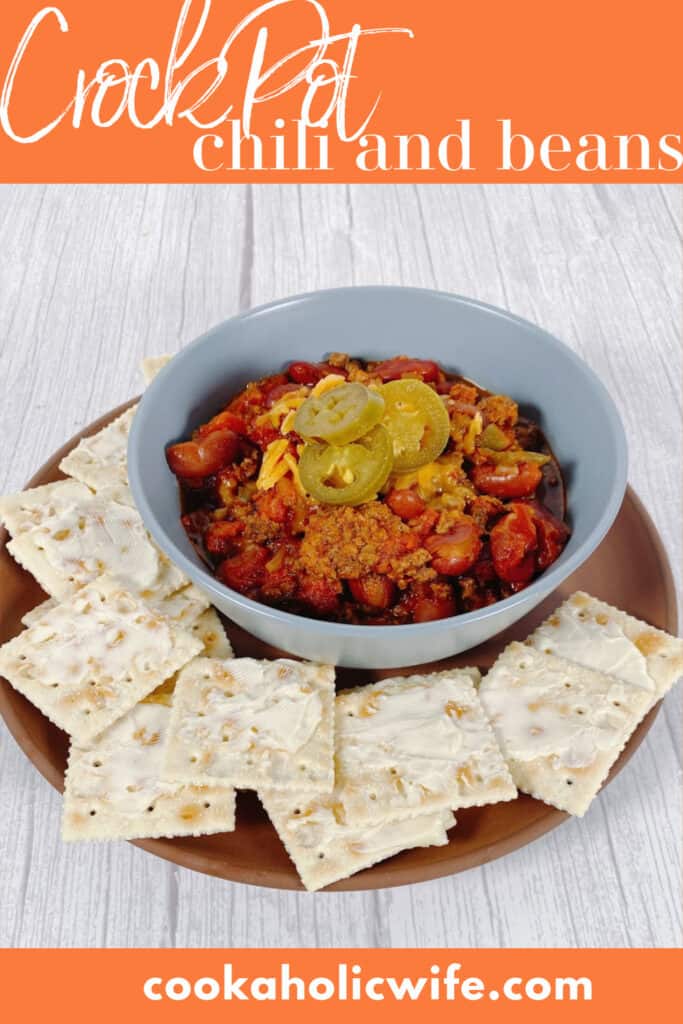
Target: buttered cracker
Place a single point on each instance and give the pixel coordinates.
(326, 845)
(184, 607)
(22, 511)
(595, 634)
(415, 745)
(151, 366)
(92, 658)
(74, 541)
(114, 789)
(34, 615)
(253, 724)
(561, 726)
(209, 629)
(100, 461)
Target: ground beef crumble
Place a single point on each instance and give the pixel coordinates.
(349, 543)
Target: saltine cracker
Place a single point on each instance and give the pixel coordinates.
(92, 658)
(593, 633)
(561, 726)
(417, 744)
(253, 724)
(113, 787)
(326, 846)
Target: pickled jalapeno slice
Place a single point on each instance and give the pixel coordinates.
(341, 415)
(417, 421)
(349, 474)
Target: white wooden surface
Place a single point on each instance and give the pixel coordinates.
(93, 278)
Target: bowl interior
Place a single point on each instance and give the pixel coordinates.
(497, 350)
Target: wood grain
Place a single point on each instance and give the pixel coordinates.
(93, 278)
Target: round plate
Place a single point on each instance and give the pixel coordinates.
(629, 569)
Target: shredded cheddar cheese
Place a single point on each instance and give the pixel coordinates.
(333, 380)
(288, 403)
(475, 428)
(273, 466)
(294, 469)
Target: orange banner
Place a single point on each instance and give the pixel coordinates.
(339, 91)
(79, 986)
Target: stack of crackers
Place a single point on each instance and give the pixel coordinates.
(127, 656)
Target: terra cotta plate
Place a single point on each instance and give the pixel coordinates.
(629, 569)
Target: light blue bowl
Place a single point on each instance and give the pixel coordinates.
(501, 352)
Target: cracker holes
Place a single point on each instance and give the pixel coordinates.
(207, 805)
(150, 808)
(93, 813)
(97, 764)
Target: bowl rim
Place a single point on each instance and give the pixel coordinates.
(541, 586)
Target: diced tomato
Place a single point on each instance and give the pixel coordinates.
(219, 537)
(276, 393)
(225, 420)
(394, 369)
(514, 541)
(375, 592)
(455, 552)
(193, 460)
(552, 535)
(428, 604)
(425, 523)
(245, 571)
(483, 569)
(517, 481)
(306, 373)
(322, 596)
(280, 503)
(405, 502)
(274, 381)
(262, 434)
(195, 524)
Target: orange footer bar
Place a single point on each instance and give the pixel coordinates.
(510, 985)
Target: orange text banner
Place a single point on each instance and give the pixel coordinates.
(79, 986)
(339, 91)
